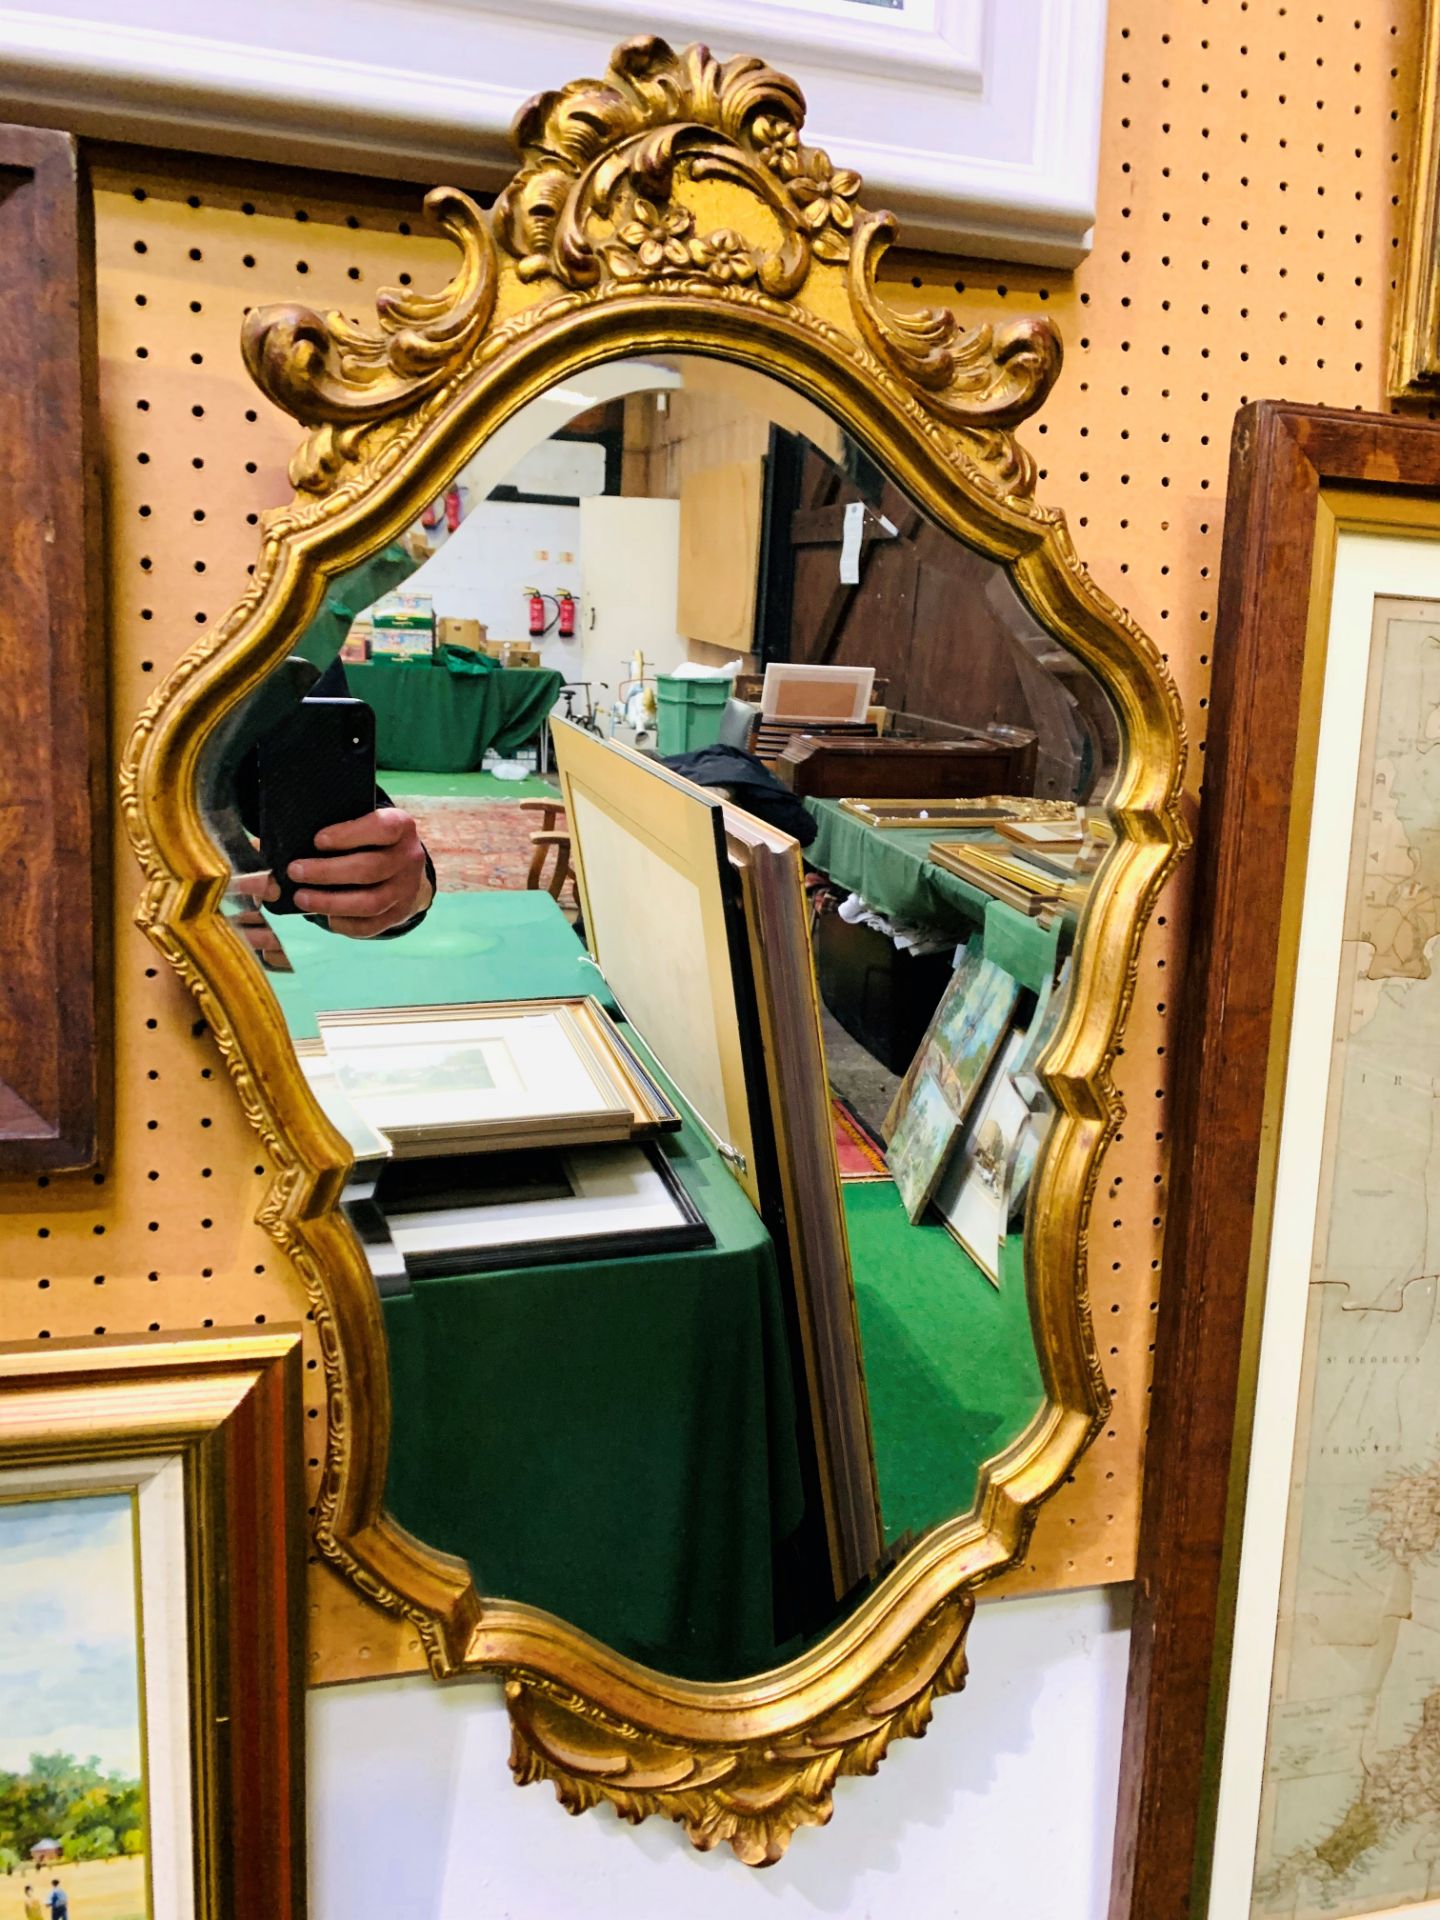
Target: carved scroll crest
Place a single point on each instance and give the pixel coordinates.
(600, 162)
(341, 379)
(603, 204)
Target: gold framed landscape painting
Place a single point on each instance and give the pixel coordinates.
(150, 1676)
(73, 1798)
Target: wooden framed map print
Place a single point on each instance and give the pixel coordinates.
(1283, 1724)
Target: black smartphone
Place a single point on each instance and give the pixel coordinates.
(316, 769)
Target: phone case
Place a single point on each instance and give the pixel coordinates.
(316, 769)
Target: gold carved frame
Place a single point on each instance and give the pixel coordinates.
(670, 207)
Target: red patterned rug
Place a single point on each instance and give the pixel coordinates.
(478, 846)
(859, 1154)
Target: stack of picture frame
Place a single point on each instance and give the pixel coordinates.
(964, 1128)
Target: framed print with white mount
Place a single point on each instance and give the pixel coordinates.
(1284, 1684)
(464, 1079)
(981, 134)
(152, 1534)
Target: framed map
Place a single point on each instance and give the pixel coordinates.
(1349, 1500)
(1282, 1749)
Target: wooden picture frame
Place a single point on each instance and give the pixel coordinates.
(202, 1434)
(682, 895)
(54, 932)
(1299, 477)
(795, 693)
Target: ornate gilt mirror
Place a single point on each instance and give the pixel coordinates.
(715, 1506)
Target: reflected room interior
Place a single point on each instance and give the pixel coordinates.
(672, 669)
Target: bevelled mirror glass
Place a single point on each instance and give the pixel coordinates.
(693, 1035)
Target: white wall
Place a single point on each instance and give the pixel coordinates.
(482, 570)
(1003, 1811)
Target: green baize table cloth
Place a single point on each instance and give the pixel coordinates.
(949, 1359)
(613, 1441)
(443, 714)
(892, 872)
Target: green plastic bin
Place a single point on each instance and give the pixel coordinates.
(688, 713)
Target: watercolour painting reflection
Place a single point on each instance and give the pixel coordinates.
(72, 1799)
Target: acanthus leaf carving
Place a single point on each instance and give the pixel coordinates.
(340, 378)
(983, 380)
(754, 1796)
(596, 155)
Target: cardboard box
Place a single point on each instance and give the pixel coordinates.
(355, 649)
(450, 632)
(399, 644)
(403, 624)
(512, 653)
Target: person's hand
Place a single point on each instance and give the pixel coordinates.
(389, 873)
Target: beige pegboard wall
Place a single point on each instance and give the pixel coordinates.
(165, 1239)
(1253, 159)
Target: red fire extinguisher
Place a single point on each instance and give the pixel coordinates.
(567, 615)
(537, 610)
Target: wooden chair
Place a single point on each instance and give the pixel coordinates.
(547, 836)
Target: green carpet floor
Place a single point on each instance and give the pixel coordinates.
(465, 786)
(949, 1359)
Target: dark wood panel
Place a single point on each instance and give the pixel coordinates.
(934, 618)
(54, 939)
(1281, 458)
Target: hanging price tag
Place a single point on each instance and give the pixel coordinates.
(854, 532)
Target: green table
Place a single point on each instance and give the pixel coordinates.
(892, 872)
(443, 715)
(614, 1441)
(470, 946)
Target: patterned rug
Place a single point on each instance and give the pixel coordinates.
(478, 846)
(859, 1154)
